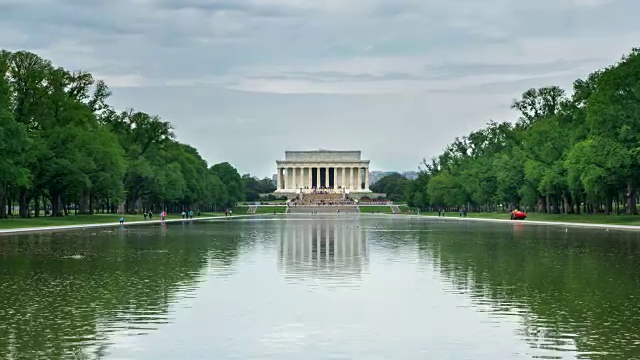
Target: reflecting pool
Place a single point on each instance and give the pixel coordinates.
(327, 287)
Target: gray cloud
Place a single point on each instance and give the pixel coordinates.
(398, 79)
(435, 72)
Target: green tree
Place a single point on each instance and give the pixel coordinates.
(232, 182)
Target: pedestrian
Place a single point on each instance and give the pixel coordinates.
(190, 214)
(150, 215)
(122, 220)
(184, 214)
(145, 214)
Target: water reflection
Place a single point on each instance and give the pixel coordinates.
(573, 291)
(65, 295)
(325, 249)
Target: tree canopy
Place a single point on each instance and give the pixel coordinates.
(566, 153)
(64, 147)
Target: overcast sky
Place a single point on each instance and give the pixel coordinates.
(245, 80)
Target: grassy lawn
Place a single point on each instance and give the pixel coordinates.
(271, 209)
(15, 223)
(240, 210)
(582, 218)
(375, 209)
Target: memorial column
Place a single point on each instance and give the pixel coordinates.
(293, 178)
(366, 178)
(344, 177)
(292, 172)
(279, 179)
(326, 177)
(285, 173)
(352, 178)
(359, 178)
(335, 177)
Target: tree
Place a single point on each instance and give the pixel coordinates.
(232, 182)
(563, 154)
(65, 147)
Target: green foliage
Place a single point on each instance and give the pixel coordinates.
(232, 181)
(63, 146)
(254, 187)
(394, 185)
(564, 154)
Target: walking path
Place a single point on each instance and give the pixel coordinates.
(534, 222)
(222, 218)
(112, 224)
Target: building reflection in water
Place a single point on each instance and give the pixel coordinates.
(323, 249)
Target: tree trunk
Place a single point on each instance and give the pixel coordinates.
(608, 206)
(84, 202)
(568, 203)
(555, 208)
(541, 205)
(55, 205)
(36, 205)
(24, 204)
(3, 201)
(632, 208)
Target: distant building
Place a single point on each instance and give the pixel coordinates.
(333, 171)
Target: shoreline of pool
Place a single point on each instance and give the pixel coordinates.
(527, 222)
(55, 228)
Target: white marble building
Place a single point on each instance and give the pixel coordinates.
(333, 170)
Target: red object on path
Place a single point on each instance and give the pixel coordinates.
(518, 215)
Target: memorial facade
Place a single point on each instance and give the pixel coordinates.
(326, 170)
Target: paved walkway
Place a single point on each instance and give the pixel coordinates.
(222, 218)
(111, 224)
(534, 222)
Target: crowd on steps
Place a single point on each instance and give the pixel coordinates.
(320, 199)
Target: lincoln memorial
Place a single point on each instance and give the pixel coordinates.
(327, 170)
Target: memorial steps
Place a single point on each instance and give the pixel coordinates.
(323, 209)
(320, 198)
(322, 203)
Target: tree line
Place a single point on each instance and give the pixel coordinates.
(577, 153)
(64, 148)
